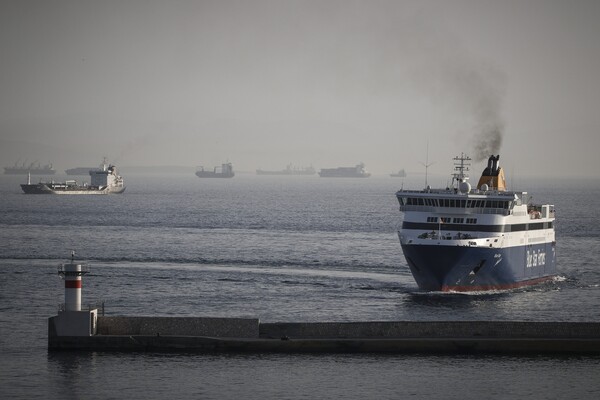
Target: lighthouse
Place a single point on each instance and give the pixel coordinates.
(72, 273)
(71, 319)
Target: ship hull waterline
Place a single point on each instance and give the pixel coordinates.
(43, 189)
(471, 269)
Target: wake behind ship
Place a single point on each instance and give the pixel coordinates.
(104, 180)
(488, 238)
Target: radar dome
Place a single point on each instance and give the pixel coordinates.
(464, 187)
(485, 187)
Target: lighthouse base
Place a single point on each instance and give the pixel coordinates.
(73, 323)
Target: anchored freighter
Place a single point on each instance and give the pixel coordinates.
(357, 171)
(225, 171)
(32, 169)
(474, 239)
(104, 180)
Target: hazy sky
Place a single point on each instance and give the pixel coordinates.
(325, 82)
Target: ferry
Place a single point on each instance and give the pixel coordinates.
(104, 180)
(464, 239)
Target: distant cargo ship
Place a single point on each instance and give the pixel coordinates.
(33, 169)
(81, 171)
(399, 174)
(357, 171)
(224, 171)
(289, 170)
(104, 180)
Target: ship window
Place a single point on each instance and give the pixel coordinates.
(471, 220)
(463, 203)
(519, 227)
(446, 220)
(458, 220)
(432, 219)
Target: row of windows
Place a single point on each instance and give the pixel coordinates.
(456, 203)
(481, 228)
(448, 220)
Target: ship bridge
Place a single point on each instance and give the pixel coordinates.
(474, 202)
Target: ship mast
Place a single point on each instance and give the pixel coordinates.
(427, 164)
(461, 167)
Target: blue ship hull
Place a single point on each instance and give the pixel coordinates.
(465, 268)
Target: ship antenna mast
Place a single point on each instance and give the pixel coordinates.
(427, 164)
(461, 167)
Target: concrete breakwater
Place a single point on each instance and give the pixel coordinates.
(249, 335)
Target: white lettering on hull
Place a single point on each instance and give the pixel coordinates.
(535, 258)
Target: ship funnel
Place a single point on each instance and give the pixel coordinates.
(493, 175)
(495, 164)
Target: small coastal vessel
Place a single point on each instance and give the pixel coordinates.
(487, 238)
(32, 169)
(399, 174)
(289, 170)
(357, 171)
(104, 180)
(224, 171)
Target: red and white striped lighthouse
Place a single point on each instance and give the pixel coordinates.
(72, 273)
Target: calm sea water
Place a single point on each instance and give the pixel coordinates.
(279, 249)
